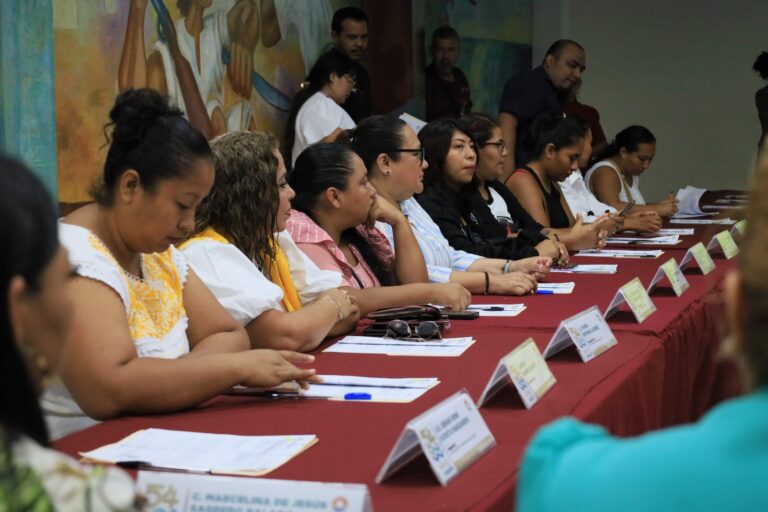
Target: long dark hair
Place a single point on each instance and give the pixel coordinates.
(556, 130)
(436, 139)
(375, 135)
(150, 137)
(318, 168)
(331, 62)
(629, 138)
(29, 231)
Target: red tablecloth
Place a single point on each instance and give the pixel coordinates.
(661, 373)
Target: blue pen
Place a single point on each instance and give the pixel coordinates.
(357, 396)
(545, 292)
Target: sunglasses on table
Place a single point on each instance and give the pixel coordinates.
(421, 331)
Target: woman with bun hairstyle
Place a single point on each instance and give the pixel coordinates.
(35, 320)
(335, 210)
(393, 156)
(147, 335)
(243, 254)
(615, 178)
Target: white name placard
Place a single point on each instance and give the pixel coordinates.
(725, 242)
(699, 253)
(526, 369)
(674, 275)
(452, 435)
(587, 330)
(635, 295)
(179, 492)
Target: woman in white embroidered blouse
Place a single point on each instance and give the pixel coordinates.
(148, 336)
(243, 255)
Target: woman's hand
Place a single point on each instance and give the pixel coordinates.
(645, 222)
(553, 249)
(667, 207)
(451, 295)
(513, 283)
(384, 211)
(537, 266)
(587, 236)
(340, 298)
(267, 368)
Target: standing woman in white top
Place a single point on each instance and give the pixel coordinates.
(147, 335)
(316, 115)
(243, 254)
(615, 178)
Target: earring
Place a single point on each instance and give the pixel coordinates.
(38, 365)
(387, 173)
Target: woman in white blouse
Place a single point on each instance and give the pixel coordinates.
(242, 253)
(316, 115)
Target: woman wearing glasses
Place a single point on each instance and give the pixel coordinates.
(335, 209)
(394, 158)
(316, 115)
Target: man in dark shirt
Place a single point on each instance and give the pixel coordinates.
(535, 92)
(447, 89)
(349, 35)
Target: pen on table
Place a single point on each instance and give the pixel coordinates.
(488, 308)
(545, 292)
(357, 396)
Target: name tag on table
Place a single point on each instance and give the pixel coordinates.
(699, 253)
(587, 330)
(174, 492)
(674, 275)
(527, 370)
(452, 435)
(635, 295)
(739, 228)
(725, 241)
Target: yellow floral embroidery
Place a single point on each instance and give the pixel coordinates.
(156, 303)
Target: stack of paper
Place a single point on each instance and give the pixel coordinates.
(681, 215)
(680, 231)
(446, 347)
(588, 269)
(340, 387)
(701, 221)
(653, 240)
(557, 288)
(498, 309)
(724, 207)
(688, 200)
(620, 253)
(206, 453)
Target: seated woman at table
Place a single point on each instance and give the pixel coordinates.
(581, 201)
(615, 178)
(35, 319)
(242, 253)
(718, 463)
(333, 223)
(316, 115)
(147, 335)
(557, 141)
(392, 154)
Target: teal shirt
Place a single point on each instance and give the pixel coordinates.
(718, 464)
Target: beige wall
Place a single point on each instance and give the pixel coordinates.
(680, 67)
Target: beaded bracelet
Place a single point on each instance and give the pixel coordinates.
(487, 283)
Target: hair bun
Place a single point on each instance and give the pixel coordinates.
(137, 110)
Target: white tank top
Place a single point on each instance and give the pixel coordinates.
(634, 188)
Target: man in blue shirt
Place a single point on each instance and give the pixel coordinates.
(535, 92)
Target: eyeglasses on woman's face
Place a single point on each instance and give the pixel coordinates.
(417, 152)
(499, 144)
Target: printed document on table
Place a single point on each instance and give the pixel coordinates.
(620, 253)
(498, 309)
(446, 347)
(680, 231)
(587, 269)
(702, 221)
(680, 215)
(335, 387)
(557, 288)
(688, 200)
(654, 240)
(200, 452)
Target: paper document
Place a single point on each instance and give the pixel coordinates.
(374, 389)
(620, 253)
(701, 221)
(732, 201)
(446, 347)
(653, 240)
(723, 207)
(413, 121)
(681, 231)
(688, 200)
(498, 309)
(199, 452)
(556, 288)
(587, 269)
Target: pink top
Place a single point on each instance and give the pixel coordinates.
(318, 245)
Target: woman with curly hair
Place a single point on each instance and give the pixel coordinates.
(242, 253)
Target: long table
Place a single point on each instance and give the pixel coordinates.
(662, 372)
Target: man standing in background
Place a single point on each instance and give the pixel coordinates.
(349, 35)
(447, 88)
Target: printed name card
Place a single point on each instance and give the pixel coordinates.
(699, 253)
(726, 243)
(452, 435)
(739, 228)
(635, 295)
(674, 275)
(175, 492)
(587, 330)
(527, 370)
